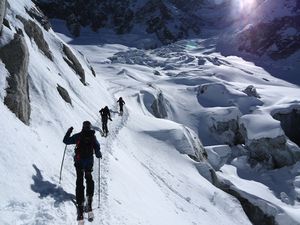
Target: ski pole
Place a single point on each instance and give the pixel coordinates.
(62, 163)
(99, 183)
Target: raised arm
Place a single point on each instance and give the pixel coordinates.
(70, 140)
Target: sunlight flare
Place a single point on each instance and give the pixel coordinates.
(244, 6)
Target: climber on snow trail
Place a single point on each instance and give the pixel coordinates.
(105, 115)
(86, 143)
(121, 103)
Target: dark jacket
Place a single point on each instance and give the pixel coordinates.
(105, 114)
(74, 139)
(121, 102)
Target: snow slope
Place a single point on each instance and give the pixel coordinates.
(146, 175)
(180, 72)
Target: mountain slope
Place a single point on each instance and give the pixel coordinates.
(31, 151)
(155, 169)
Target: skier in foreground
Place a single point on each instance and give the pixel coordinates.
(121, 103)
(86, 143)
(105, 115)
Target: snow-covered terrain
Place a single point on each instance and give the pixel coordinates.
(154, 170)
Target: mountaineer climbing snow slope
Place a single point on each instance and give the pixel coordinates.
(191, 148)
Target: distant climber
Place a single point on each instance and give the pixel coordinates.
(121, 103)
(86, 143)
(105, 115)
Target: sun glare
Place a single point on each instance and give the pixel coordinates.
(243, 10)
(244, 6)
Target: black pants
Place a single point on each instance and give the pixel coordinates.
(104, 126)
(80, 187)
(121, 108)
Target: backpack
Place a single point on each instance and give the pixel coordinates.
(84, 145)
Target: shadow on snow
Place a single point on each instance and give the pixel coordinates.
(47, 189)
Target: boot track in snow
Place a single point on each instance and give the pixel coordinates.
(106, 148)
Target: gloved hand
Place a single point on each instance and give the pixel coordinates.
(99, 155)
(70, 130)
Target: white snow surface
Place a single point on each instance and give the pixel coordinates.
(146, 177)
(258, 126)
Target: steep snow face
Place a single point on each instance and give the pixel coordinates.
(146, 175)
(30, 155)
(153, 169)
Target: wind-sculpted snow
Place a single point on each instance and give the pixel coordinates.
(154, 171)
(218, 95)
(218, 155)
(134, 57)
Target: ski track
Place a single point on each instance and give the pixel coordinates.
(161, 182)
(106, 148)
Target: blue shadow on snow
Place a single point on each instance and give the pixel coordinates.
(48, 189)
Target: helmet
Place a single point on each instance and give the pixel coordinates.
(86, 125)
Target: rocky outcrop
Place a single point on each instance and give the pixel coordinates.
(35, 33)
(159, 107)
(169, 20)
(64, 94)
(289, 120)
(73, 25)
(37, 14)
(93, 71)
(224, 126)
(74, 63)
(279, 38)
(15, 56)
(269, 148)
(228, 131)
(271, 151)
(256, 215)
(251, 91)
(3, 4)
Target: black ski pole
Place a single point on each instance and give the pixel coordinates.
(62, 163)
(99, 183)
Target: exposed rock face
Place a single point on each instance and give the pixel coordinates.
(160, 19)
(35, 32)
(93, 71)
(3, 5)
(273, 152)
(73, 62)
(64, 94)
(256, 215)
(228, 131)
(159, 107)
(225, 127)
(278, 39)
(15, 56)
(73, 25)
(170, 20)
(37, 14)
(251, 91)
(290, 121)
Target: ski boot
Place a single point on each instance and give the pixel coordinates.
(89, 209)
(80, 214)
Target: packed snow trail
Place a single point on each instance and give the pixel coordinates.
(102, 214)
